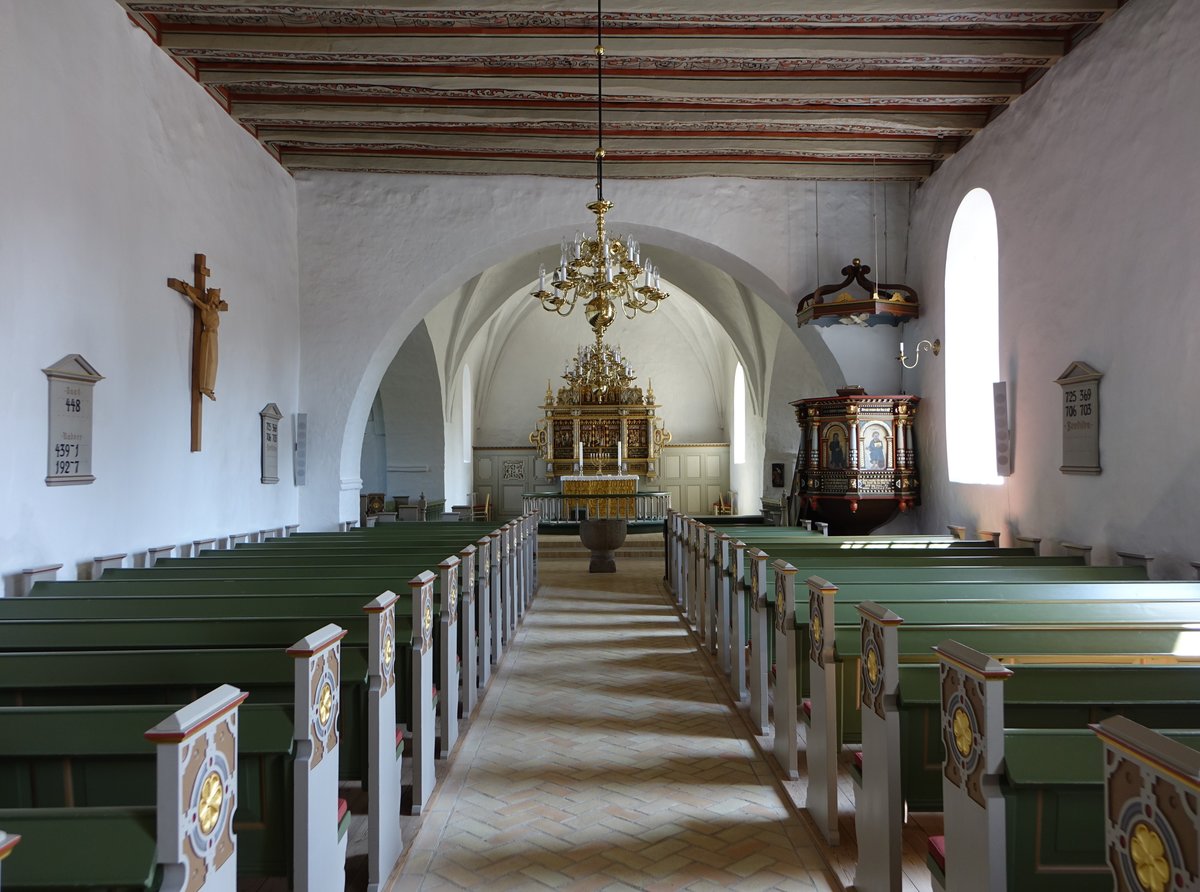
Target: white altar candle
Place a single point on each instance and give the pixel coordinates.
(618, 456)
(581, 453)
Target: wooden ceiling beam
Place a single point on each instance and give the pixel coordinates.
(584, 120)
(685, 8)
(790, 169)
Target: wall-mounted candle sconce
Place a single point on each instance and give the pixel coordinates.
(934, 347)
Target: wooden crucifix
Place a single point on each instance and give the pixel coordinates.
(207, 307)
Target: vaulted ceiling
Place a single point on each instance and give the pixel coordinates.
(811, 89)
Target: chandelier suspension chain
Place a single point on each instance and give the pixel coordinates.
(599, 103)
(603, 271)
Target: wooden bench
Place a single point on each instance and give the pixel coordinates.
(890, 565)
(899, 766)
(744, 616)
(1030, 631)
(269, 566)
(1026, 808)
(361, 679)
(183, 834)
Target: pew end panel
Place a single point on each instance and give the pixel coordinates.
(319, 849)
(878, 805)
(197, 793)
(448, 571)
(738, 614)
(1151, 821)
(760, 666)
(384, 841)
(466, 632)
(785, 686)
(724, 602)
(483, 610)
(423, 771)
(972, 726)
(823, 747)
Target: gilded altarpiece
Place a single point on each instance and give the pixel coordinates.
(600, 422)
(857, 461)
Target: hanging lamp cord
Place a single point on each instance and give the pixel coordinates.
(599, 105)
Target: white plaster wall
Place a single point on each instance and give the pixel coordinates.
(115, 168)
(373, 464)
(1097, 193)
(794, 377)
(380, 251)
(411, 393)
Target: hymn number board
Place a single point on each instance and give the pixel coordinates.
(1081, 419)
(69, 457)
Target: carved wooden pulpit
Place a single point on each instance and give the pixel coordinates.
(857, 461)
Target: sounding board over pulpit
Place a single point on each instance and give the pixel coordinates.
(856, 465)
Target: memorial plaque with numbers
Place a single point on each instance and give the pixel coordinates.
(1081, 419)
(270, 416)
(69, 460)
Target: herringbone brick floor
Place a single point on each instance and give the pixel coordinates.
(607, 756)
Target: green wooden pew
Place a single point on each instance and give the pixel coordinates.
(81, 758)
(1074, 631)
(1026, 808)
(900, 764)
(96, 795)
(760, 592)
(127, 678)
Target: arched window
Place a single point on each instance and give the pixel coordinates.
(972, 340)
(739, 415)
(468, 415)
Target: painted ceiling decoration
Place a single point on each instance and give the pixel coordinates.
(857, 89)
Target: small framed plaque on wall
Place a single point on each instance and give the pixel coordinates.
(270, 416)
(69, 460)
(1081, 419)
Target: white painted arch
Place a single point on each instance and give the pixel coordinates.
(378, 253)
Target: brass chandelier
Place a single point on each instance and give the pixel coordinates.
(603, 271)
(599, 374)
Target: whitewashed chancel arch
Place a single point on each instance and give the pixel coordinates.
(384, 251)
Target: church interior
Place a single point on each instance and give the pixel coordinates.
(871, 274)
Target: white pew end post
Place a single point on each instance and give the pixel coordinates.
(196, 775)
(785, 669)
(448, 630)
(483, 609)
(466, 632)
(319, 843)
(878, 806)
(823, 736)
(1151, 784)
(737, 656)
(972, 690)
(384, 840)
(423, 771)
(759, 665)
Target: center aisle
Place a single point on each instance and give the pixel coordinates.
(607, 755)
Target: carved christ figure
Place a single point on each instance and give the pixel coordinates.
(210, 306)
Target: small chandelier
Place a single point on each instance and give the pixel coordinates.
(603, 271)
(599, 375)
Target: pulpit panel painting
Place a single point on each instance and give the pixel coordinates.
(836, 445)
(875, 453)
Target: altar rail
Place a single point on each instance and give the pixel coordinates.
(555, 507)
